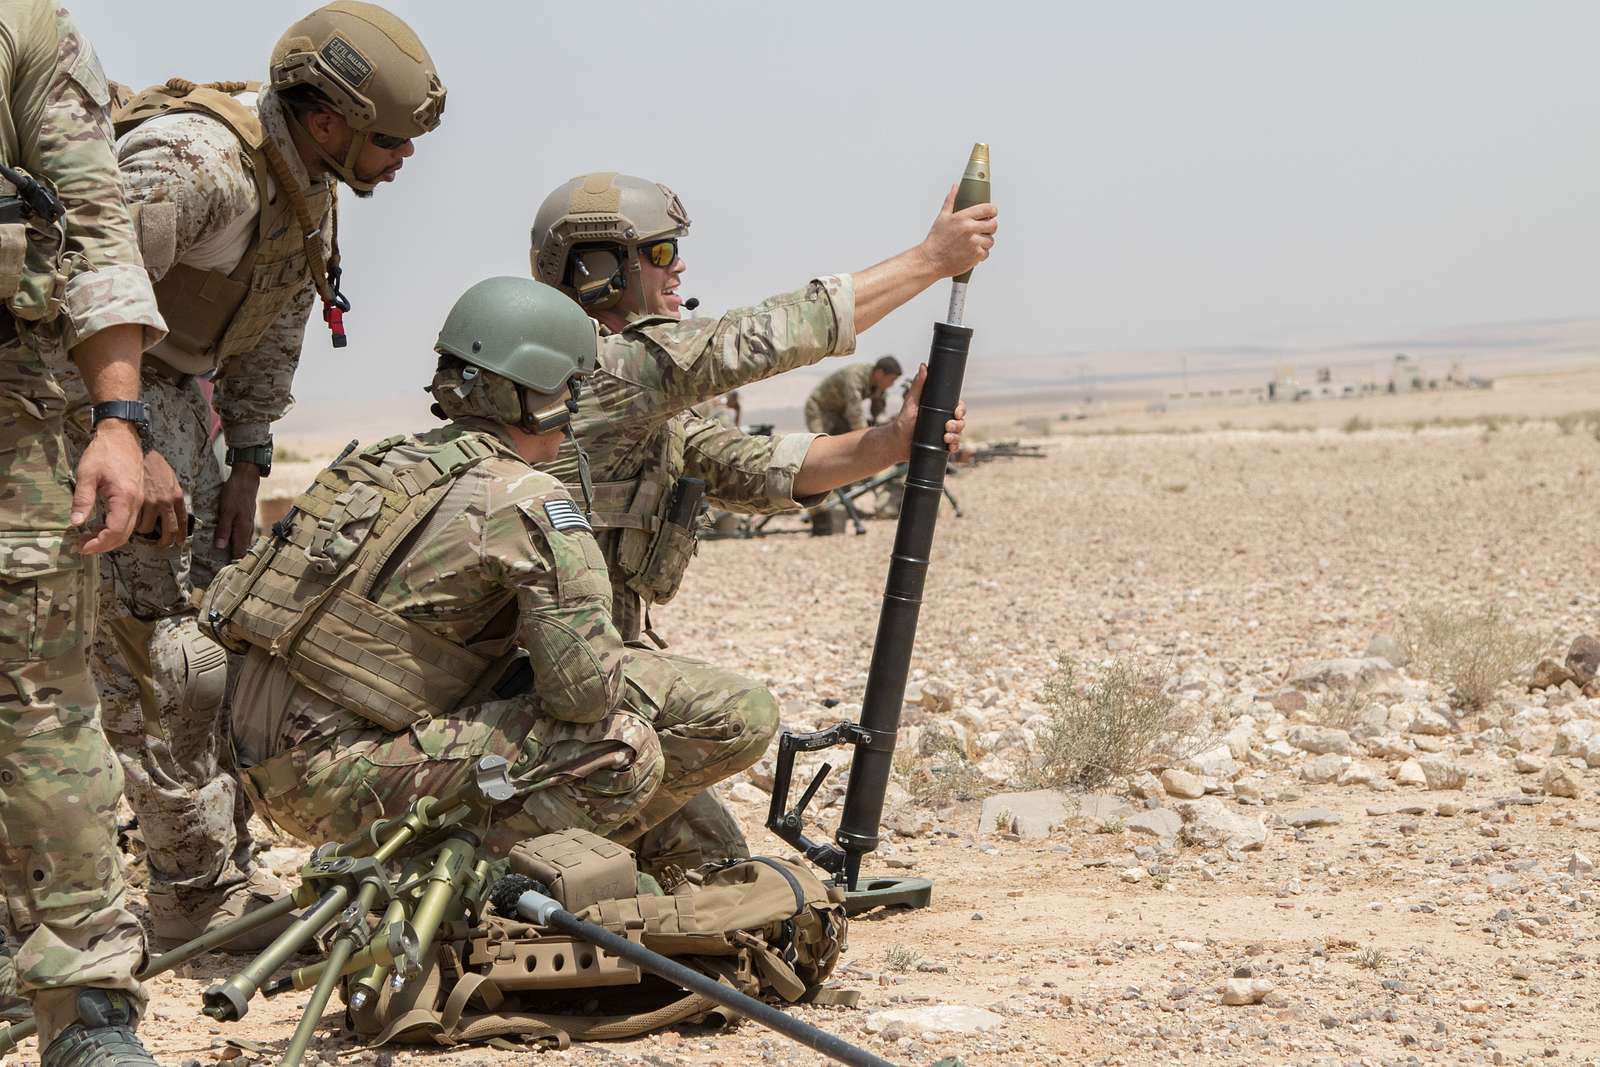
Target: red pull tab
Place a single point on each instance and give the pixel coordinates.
(333, 315)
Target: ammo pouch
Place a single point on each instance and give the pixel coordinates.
(652, 552)
(767, 927)
(303, 595)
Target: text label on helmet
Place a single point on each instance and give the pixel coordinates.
(349, 64)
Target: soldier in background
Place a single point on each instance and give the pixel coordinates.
(378, 627)
(233, 192)
(72, 284)
(834, 406)
(611, 242)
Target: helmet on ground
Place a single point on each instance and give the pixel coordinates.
(514, 351)
(368, 66)
(587, 235)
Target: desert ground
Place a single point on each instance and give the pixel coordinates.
(1333, 861)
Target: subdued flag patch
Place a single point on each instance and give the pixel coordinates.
(564, 515)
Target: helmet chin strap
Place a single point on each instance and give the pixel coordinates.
(585, 479)
(345, 168)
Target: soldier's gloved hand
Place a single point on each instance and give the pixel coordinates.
(111, 469)
(236, 519)
(905, 421)
(960, 240)
(165, 512)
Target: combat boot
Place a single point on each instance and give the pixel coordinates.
(183, 915)
(102, 1037)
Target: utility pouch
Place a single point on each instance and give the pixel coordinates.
(674, 545)
(13, 257)
(581, 868)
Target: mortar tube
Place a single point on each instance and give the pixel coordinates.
(450, 869)
(902, 599)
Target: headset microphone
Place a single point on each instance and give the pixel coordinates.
(691, 303)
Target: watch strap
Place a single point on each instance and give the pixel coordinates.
(134, 411)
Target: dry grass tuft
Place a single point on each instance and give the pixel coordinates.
(1472, 653)
(942, 778)
(1113, 727)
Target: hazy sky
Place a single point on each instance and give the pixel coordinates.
(1168, 173)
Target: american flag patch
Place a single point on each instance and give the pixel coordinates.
(564, 515)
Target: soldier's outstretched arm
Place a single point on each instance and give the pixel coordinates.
(832, 461)
(957, 242)
(744, 472)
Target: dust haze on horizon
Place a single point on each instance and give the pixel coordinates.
(1245, 174)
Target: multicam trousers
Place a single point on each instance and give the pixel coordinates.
(711, 723)
(173, 748)
(591, 775)
(59, 781)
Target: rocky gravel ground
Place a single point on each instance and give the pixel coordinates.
(1340, 863)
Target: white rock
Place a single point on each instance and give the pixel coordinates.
(1217, 762)
(1209, 824)
(1343, 674)
(1189, 948)
(1182, 784)
(1527, 764)
(749, 794)
(1410, 773)
(1238, 992)
(1319, 740)
(1441, 772)
(1578, 863)
(1028, 815)
(1161, 823)
(1324, 769)
(933, 1019)
(1359, 773)
(1432, 723)
(1560, 780)
(1573, 737)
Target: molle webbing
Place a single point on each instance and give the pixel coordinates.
(213, 314)
(307, 596)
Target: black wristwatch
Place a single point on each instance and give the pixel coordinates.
(133, 412)
(260, 455)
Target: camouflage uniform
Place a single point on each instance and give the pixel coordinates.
(835, 405)
(632, 418)
(485, 572)
(174, 752)
(59, 782)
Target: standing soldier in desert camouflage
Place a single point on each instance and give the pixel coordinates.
(233, 193)
(379, 616)
(70, 282)
(610, 241)
(834, 406)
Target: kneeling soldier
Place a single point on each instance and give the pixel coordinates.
(377, 617)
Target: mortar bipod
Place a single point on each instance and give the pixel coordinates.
(870, 891)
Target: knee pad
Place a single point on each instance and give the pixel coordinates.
(190, 670)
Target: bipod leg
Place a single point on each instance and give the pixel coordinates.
(850, 510)
(218, 937)
(948, 495)
(338, 956)
(229, 1001)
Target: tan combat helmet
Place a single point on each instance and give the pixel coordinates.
(370, 67)
(587, 234)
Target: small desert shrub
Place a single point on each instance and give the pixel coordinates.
(1356, 424)
(942, 778)
(1340, 710)
(1568, 424)
(1473, 653)
(1371, 958)
(900, 959)
(1108, 729)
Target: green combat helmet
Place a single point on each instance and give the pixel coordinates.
(587, 234)
(515, 351)
(370, 68)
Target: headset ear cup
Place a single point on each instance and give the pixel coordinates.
(597, 278)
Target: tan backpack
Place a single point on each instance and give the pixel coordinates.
(767, 927)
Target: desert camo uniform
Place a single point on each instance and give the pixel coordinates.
(633, 422)
(59, 781)
(834, 406)
(197, 188)
(490, 555)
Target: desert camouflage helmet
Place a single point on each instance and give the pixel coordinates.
(602, 210)
(369, 66)
(526, 346)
